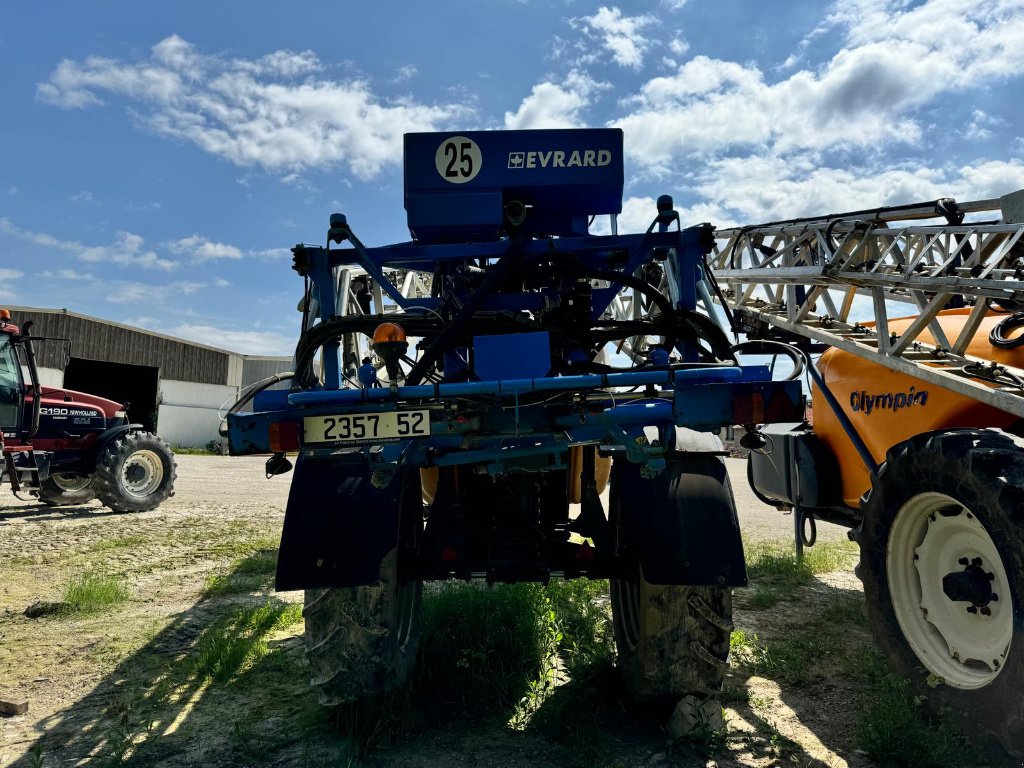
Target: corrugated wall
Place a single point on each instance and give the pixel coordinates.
(259, 368)
(95, 339)
(190, 413)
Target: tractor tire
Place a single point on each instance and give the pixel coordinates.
(361, 642)
(66, 490)
(135, 473)
(942, 561)
(672, 640)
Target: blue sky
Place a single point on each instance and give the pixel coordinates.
(158, 160)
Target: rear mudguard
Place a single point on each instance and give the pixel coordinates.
(337, 527)
(682, 524)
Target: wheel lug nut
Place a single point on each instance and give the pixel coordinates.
(972, 609)
(993, 597)
(976, 561)
(963, 561)
(986, 611)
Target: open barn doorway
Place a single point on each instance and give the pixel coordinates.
(136, 385)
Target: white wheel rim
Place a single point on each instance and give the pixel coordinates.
(963, 643)
(142, 473)
(70, 483)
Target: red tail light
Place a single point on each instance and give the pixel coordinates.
(748, 408)
(284, 436)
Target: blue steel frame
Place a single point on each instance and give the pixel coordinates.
(503, 432)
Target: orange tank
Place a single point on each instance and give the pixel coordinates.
(887, 407)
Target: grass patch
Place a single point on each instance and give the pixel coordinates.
(895, 728)
(779, 574)
(499, 648)
(481, 646)
(794, 660)
(93, 591)
(582, 614)
(843, 608)
(252, 573)
(234, 643)
(120, 542)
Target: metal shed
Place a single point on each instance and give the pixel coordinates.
(174, 386)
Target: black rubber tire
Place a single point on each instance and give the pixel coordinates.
(982, 469)
(672, 641)
(51, 493)
(361, 642)
(123, 455)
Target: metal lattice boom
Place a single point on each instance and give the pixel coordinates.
(814, 277)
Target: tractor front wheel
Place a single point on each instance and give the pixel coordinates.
(66, 490)
(942, 561)
(135, 473)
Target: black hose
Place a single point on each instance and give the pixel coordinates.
(254, 389)
(999, 335)
(432, 353)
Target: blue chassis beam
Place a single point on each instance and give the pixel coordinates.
(504, 432)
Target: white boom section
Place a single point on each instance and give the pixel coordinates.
(804, 276)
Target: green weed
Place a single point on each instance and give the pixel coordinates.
(896, 728)
(252, 573)
(794, 660)
(582, 614)
(119, 542)
(238, 641)
(777, 560)
(92, 591)
(481, 645)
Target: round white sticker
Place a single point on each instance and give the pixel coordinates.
(458, 159)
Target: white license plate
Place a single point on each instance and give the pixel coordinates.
(366, 427)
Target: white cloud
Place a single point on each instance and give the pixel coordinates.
(555, 105)
(201, 249)
(246, 342)
(10, 274)
(408, 72)
(982, 125)
(272, 253)
(678, 46)
(252, 112)
(127, 248)
(85, 196)
(751, 190)
(138, 293)
(68, 274)
(897, 59)
(620, 35)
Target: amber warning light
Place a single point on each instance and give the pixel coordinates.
(390, 344)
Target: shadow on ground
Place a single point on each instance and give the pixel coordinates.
(225, 683)
(39, 512)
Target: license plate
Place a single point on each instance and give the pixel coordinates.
(366, 427)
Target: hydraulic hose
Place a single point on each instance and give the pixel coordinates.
(999, 335)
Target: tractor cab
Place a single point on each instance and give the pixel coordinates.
(12, 383)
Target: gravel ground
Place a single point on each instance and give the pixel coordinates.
(72, 669)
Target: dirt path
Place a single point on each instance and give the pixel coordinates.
(100, 685)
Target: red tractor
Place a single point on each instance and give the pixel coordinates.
(69, 447)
